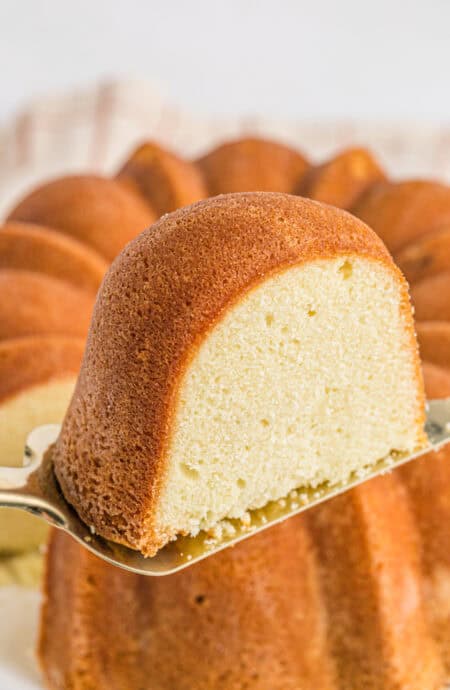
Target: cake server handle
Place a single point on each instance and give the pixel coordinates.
(16, 488)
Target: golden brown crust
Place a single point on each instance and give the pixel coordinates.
(252, 165)
(36, 304)
(169, 287)
(431, 298)
(341, 180)
(99, 212)
(427, 256)
(371, 581)
(428, 482)
(166, 181)
(34, 360)
(434, 342)
(31, 247)
(260, 616)
(221, 623)
(400, 212)
(437, 379)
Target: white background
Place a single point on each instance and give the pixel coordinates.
(385, 59)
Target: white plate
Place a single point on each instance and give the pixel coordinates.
(19, 611)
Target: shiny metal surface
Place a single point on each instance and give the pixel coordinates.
(33, 488)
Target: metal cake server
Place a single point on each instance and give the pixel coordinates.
(34, 488)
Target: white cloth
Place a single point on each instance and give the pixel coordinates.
(94, 129)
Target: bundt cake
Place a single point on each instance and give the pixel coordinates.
(35, 304)
(30, 247)
(369, 568)
(224, 623)
(37, 376)
(252, 165)
(401, 212)
(165, 180)
(336, 598)
(354, 594)
(226, 315)
(328, 602)
(434, 341)
(431, 298)
(99, 212)
(341, 180)
(426, 257)
(435, 375)
(428, 483)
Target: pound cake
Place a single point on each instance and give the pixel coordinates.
(332, 601)
(165, 180)
(426, 257)
(29, 247)
(273, 327)
(99, 212)
(54, 251)
(252, 165)
(343, 179)
(428, 483)
(434, 341)
(430, 298)
(352, 595)
(36, 304)
(401, 212)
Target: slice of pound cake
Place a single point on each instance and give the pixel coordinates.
(240, 348)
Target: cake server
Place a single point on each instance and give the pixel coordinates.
(34, 488)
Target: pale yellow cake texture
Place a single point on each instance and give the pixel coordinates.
(40, 404)
(22, 569)
(306, 380)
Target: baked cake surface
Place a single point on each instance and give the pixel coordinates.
(323, 602)
(100, 212)
(36, 304)
(24, 246)
(353, 595)
(240, 348)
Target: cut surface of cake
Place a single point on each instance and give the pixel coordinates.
(242, 347)
(37, 378)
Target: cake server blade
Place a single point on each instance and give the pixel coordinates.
(34, 488)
